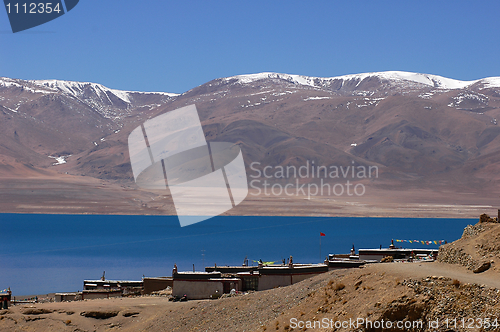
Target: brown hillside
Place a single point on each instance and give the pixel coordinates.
(478, 247)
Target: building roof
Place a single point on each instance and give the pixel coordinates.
(112, 281)
(397, 250)
(112, 290)
(196, 275)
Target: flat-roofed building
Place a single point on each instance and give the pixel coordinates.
(127, 287)
(5, 297)
(67, 297)
(273, 276)
(156, 284)
(101, 293)
(379, 254)
(203, 285)
(109, 284)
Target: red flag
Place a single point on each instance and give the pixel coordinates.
(322, 234)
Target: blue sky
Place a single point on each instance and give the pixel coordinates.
(174, 46)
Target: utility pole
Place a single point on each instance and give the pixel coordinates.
(320, 248)
(320, 235)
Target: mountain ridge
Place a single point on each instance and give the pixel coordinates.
(55, 85)
(76, 88)
(424, 132)
(435, 81)
(429, 80)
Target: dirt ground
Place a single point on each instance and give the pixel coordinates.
(377, 291)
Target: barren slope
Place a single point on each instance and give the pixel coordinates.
(423, 132)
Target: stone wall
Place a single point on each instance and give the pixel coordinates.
(453, 253)
(477, 249)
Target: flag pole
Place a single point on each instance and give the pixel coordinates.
(320, 247)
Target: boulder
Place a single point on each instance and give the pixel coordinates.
(482, 267)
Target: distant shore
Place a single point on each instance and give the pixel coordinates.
(85, 195)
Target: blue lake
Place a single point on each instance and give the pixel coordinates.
(55, 253)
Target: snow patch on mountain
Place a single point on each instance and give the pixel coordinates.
(397, 77)
(401, 76)
(316, 98)
(297, 79)
(59, 160)
(491, 82)
(9, 82)
(77, 89)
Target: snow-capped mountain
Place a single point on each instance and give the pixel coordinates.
(414, 126)
(52, 118)
(399, 79)
(423, 131)
(80, 89)
(75, 89)
(110, 103)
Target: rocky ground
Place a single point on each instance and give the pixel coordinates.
(478, 249)
(440, 296)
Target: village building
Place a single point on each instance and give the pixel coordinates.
(5, 297)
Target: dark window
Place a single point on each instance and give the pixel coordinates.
(250, 283)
